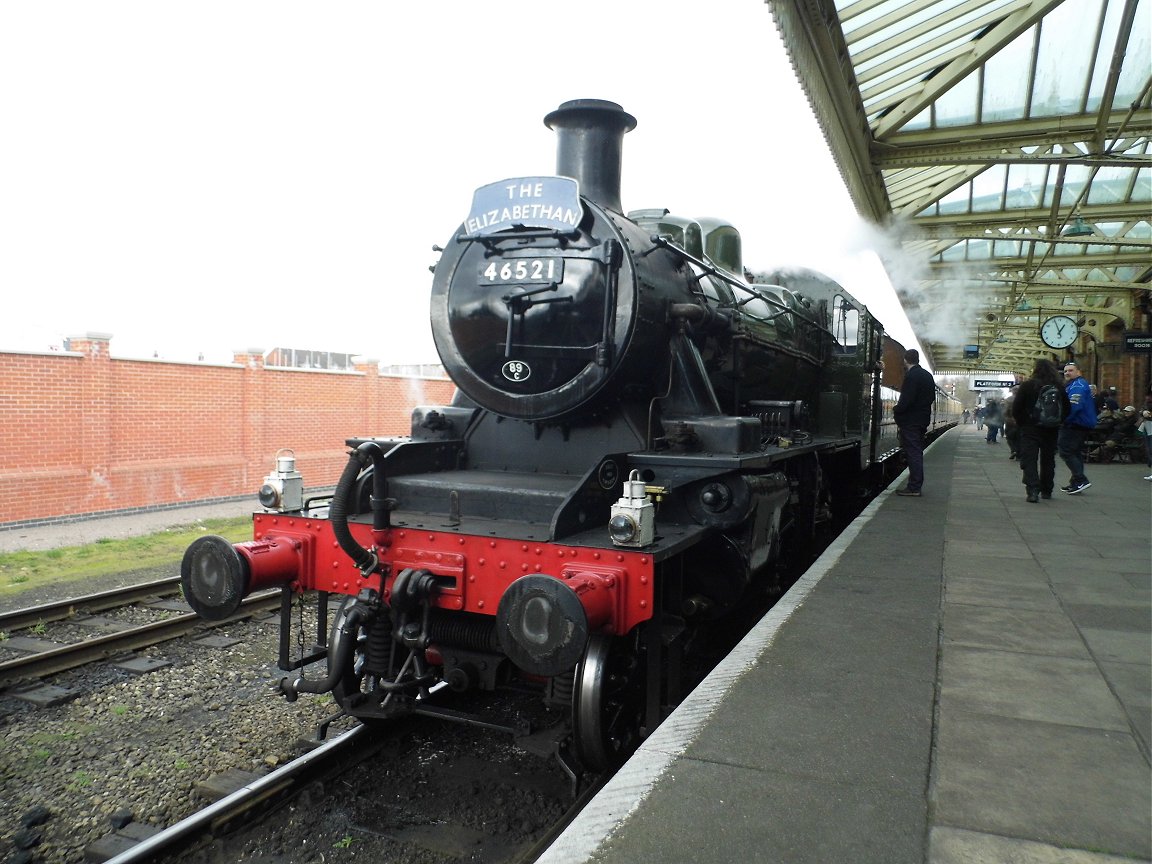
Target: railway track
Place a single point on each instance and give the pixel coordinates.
(266, 793)
(248, 816)
(52, 660)
(20, 619)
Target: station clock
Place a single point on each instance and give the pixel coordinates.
(1059, 331)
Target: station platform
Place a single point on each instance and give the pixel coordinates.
(962, 678)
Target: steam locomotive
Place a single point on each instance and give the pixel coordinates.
(641, 428)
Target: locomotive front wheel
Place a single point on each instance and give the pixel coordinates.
(607, 703)
(349, 683)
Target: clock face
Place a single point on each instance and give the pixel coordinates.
(1059, 331)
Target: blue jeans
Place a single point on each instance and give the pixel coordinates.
(912, 441)
(992, 432)
(1070, 443)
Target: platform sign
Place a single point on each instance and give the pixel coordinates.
(993, 384)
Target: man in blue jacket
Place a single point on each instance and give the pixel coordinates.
(913, 414)
(1080, 421)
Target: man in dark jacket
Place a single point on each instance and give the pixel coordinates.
(913, 414)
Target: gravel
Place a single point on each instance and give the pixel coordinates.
(141, 744)
(134, 748)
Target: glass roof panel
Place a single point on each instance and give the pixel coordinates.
(1067, 250)
(1065, 58)
(1009, 68)
(1110, 185)
(923, 120)
(1026, 186)
(988, 189)
(958, 106)
(956, 201)
(1143, 188)
(926, 57)
(895, 31)
(1104, 56)
(1007, 248)
(979, 249)
(1134, 75)
(1075, 178)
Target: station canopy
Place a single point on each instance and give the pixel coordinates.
(1005, 145)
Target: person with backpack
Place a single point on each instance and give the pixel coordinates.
(1080, 421)
(1011, 430)
(1039, 409)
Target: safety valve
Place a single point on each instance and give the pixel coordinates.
(283, 489)
(633, 521)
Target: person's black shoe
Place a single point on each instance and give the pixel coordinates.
(1047, 496)
(1076, 490)
(1033, 498)
(908, 493)
(1067, 488)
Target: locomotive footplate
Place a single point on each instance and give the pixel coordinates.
(754, 461)
(670, 539)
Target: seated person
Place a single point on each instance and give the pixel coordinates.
(1105, 422)
(1124, 426)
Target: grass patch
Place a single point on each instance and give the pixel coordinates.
(21, 571)
(80, 780)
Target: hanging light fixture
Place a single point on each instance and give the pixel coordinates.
(1078, 228)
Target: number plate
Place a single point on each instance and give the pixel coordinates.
(519, 271)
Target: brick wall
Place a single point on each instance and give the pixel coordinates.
(82, 433)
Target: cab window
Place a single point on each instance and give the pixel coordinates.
(845, 325)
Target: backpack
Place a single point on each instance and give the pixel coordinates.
(1048, 412)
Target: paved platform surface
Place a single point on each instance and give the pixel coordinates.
(964, 678)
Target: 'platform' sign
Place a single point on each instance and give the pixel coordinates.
(992, 384)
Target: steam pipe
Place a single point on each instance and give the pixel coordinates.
(292, 688)
(364, 560)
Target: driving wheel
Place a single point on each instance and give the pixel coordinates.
(607, 703)
(348, 687)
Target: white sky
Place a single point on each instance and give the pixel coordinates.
(210, 176)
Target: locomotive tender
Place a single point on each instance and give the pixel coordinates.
(638, 431)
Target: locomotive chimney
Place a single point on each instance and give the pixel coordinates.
(590, 137)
